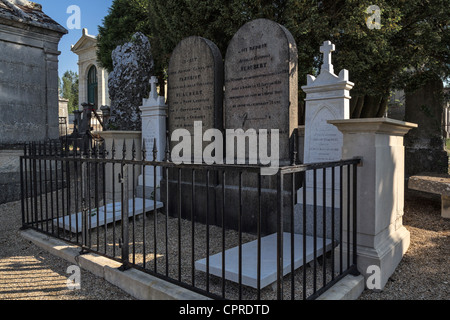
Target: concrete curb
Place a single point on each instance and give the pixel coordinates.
(143, 286)
(349, 288)
(138, 284)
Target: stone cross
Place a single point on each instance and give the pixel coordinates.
(327, 48)
(153, 92)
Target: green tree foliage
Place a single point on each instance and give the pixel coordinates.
(412, 45)
(124, 19)
(69, 89)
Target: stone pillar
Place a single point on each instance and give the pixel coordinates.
(51, 87)
(82, 84)
(154, 114)
(382, 238)
(118, 138)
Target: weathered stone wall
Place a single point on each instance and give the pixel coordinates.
(28, 85)
(9, 175)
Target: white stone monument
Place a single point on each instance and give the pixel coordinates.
(154, 113)
(327, 98)
(381, 236)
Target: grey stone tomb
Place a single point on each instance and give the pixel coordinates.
(195, 86)
(261, 93)
(195, 94)
(261, 82)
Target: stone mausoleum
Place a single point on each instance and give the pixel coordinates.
(93, 79)
(28, 85)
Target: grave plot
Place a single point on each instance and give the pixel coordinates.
(98, 218)
(268, 259)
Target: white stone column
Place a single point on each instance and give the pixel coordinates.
(382, 238)
(119, 139)
(82, 85)
(154, 114)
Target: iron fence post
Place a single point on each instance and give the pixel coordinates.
(355, 229)
(84, 208)
(22, 191)
(280, 236)
(123, 179)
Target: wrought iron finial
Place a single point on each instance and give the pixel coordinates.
(155, 150)
(75, 148)
(124, 150)
(89, 152)
(45, 148)
(113, 150)
(97, 151)
(294, 148)
(133, 151)
(144, 150)
(167, 149)
(56, 148)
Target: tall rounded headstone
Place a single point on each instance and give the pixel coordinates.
(195, 94)
(261, 82)
(195, 86)
(261, 93)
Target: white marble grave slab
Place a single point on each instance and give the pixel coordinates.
(268, 259)
(113, 213)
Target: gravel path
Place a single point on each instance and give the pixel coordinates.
(424, 272)
(29, 273)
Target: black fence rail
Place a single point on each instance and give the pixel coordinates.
(225, 231)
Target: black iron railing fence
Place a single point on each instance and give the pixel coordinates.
(93, 198)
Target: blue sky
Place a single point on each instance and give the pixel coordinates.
(92, 14)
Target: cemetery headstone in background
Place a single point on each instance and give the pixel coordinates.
(425, 145)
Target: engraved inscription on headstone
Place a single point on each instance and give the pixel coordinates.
(325, 141)
(261, 81)
(195, 85)
(327, 98)
(195, 95)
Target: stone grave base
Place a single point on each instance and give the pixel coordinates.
(201, 198)
(74, 222)
(318, 225)
(268, 259)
